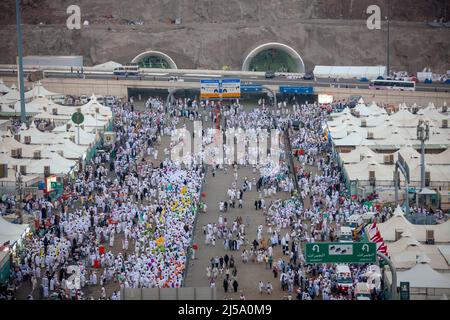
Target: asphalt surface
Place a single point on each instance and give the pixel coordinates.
(281, 81)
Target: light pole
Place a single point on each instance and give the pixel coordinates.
(19, 192)
(20, 54)
(423, 134)
(388, 67)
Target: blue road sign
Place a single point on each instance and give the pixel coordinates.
(301, 90)
(220, 88)
(251, 88)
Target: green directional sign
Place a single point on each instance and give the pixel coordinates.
(77, 118)
(404, 290)
(340, 252)
(56, 185)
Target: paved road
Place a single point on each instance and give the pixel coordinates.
(248, 274)
(281, 81)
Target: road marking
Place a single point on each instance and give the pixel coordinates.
(154, 74)
(202, 75)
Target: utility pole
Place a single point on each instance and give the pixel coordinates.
(19, 193)
(423, 134)
(20, 58)
(388, 67)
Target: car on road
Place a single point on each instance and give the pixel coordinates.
(269, 75)
(110, 100)
(353, 101)
(309, 76)
(101, 100)
(362, 291)
(84, 99)
(175, 79)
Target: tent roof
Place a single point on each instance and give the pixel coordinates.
(354, 139)
(107, 66)
(422, 275)
(4, 88)
(10, 232)
(39, 91)
(398, 222)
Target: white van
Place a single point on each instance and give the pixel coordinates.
(355, 221)
(344, 277)
(368, 216)
(110, 100)
(84, 99)
(101, 100)
(362, 291)
(346, 234)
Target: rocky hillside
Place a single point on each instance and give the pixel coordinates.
(214, 33)
(218, 11)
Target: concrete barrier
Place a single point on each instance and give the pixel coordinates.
(185, 293)
(75, 86)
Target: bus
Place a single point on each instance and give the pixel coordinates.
(392, 85)
(126, 71)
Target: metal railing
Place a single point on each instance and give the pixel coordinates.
(188, 256)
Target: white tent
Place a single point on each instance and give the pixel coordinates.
(93, 105)
(399, 223)
(4, 88)
(90, 123)
(39, 137)
(69, 149)
(86, 138)
(432, 114)
(58, 165)
(406, 251)
(11, 232)
(405, 118)
(48, 116)
(107, 66)
(360, 171)
(422, 275)
(44, 104)
(11, 97)
(353, 140)
(360, 152)
(439, 158)
(39, 91)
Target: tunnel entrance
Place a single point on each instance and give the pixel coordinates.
(276, 57)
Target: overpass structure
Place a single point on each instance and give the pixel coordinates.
(105, 83)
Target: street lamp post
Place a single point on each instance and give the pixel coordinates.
(388, 67)
(20, 60)
(19, 193)
(423, 134)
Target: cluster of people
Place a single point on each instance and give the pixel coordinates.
(123, 220)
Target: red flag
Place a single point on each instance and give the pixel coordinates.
(383, 249)
(377, 237)
(372, 230)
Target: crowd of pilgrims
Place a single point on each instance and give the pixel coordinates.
(118, 194)
(288, 222)
(151, 208)
(291, 222)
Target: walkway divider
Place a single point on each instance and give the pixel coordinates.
(188, 257)
(291, 161)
